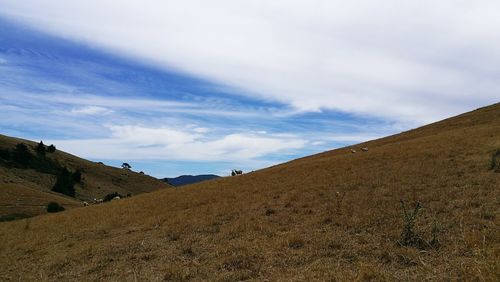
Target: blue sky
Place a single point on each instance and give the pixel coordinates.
(174, 91)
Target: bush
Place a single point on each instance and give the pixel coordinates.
(110, 196)
(65, 183)
(51, 148)
(54, 207)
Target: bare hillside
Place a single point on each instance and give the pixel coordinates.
(332, 216)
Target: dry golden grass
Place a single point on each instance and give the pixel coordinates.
(98, 181)
(291, 222)
(21, 201)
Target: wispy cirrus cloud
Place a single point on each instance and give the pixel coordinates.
(91, 110)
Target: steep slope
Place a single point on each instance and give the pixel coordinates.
(25, 183)
(189, 179)
(331, 216)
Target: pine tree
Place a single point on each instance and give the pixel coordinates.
(40, 149)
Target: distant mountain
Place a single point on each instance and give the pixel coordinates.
(189, 179)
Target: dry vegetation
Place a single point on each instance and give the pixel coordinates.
(98, 181)
(17, 201)
(331, 216)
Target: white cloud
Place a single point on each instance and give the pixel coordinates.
(141, 143)
(201, 130)
(420, 60)
(143, 136)
(91, 110)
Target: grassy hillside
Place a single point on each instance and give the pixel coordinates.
(21, 185)
(331, 216)
(18, 201)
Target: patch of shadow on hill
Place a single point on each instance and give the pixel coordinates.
(13, 216)
(189, 179)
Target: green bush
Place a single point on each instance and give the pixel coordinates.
(54, 207)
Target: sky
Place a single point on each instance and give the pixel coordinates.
(192, 87)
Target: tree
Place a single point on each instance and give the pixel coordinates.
(65, 183)
(22, 154)
(126, 166)
(51, 148)
(40, 148)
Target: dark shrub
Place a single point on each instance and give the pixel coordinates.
(40, 149)
(54, 207)
(65, 183)
(22, 154)
(110, 197)
(126, 166)
(51, 149)
(410, 237)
